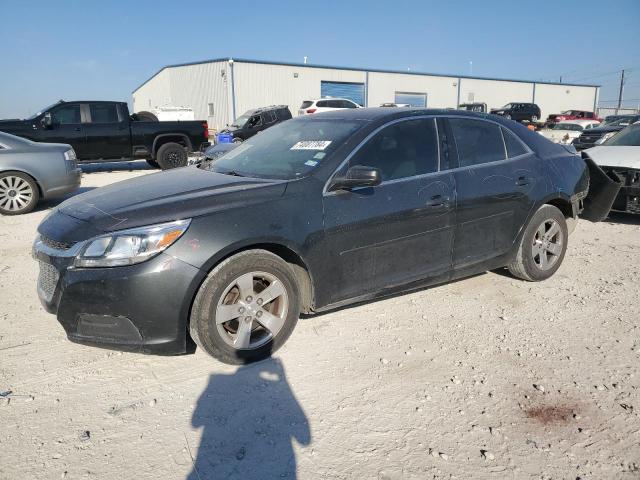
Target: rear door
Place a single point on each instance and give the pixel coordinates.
(107, 131)
(67, 127)
(400, 230)
(495, 176)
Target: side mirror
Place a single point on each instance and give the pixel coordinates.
(47, 120)
(357, 176)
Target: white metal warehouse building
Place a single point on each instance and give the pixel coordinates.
(220, 90)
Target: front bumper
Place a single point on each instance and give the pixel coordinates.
(141, 307)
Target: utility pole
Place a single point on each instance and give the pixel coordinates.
(621, 91)
(560, 78)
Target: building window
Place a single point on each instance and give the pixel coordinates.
(210, 109)
(412, 99)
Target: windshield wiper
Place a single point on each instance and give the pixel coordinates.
(232, 172)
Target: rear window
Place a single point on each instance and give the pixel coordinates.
(477, 141)
(103, 113)
(306, 104)
(513, 144)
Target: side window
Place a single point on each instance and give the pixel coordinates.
(269, 117)
(255, 121)
(347, 104)
(477, 141)
(66, 114)
(513, 144)
(103, 113)
(401, 150)
(322, 103)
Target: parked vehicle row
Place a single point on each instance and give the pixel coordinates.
(308, 215)
(104, 131)
(567, 131)
(597, 136)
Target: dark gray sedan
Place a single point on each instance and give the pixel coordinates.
(31, 171)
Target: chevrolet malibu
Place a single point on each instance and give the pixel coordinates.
(314, 213)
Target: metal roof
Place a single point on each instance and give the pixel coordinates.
(356, 69)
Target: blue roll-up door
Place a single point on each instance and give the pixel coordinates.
(414, 99)
(352, 91)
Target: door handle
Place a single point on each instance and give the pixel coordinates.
(438, 201)
(522, 181)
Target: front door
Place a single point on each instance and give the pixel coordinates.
(495, 176)
(66, 128)
(400, 230)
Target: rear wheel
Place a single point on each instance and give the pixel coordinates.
(246, 308)
(543, 246)
(18, 193)
(171, 155)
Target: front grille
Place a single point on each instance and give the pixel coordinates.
(589, 138)
(55, 244)
(47, 280)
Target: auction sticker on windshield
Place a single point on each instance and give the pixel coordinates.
(311, 145)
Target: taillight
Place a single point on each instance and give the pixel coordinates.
(205, 125)
(311, 110)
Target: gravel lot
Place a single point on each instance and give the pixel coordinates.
(488, 377)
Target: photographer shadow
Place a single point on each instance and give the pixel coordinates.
(249, 420)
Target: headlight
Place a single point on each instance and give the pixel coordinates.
(605, 137)
(70, 154)
(128, 247)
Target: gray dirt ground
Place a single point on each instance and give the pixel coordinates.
(488, 377)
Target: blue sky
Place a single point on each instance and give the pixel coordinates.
(103, 50)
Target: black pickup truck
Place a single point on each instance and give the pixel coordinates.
(105, 131)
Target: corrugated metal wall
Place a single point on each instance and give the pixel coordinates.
(556, 98)
(494, 93)
(441, 91)
(260, 84)
(156, 92)
(195, 86)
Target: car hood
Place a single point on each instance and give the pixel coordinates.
(615, 156)
(603, 130)
(161, 197)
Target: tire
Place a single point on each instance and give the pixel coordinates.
(534, 119)
(18, 193)
(507, 116)
(171, 155)
(540, 255)
(240, 281)
(153, 163)
(144, 116)
(237, 140)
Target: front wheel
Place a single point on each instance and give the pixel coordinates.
(246, 308)
(18, 193)
(507, 116)
(542, 247)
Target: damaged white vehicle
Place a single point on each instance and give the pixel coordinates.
(619, 157)
(565, 132)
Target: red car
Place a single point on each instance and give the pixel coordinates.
(572, 115)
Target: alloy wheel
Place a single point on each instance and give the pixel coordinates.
(547, 245)
(15, 193)
(251, 310)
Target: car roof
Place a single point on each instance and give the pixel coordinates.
(378, 113)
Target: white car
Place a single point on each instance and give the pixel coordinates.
(565, 132)
(620, 158)
(326, 105)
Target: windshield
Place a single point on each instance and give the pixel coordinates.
(622, 122)
(506, 107)
(567, 126)
(286, 151)
(241, 121)
(46, 109)
(629, 137)
(567, 112)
